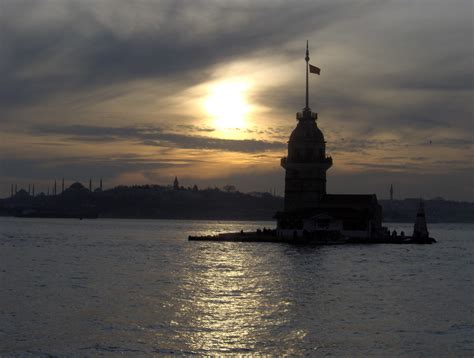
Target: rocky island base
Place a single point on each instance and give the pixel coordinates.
(326, 239)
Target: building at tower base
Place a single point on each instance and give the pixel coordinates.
(344, 216)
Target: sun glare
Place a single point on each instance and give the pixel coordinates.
(227, 105)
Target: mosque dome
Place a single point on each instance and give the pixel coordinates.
(307, 130)
(77, 186)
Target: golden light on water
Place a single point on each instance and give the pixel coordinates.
(228, 105)
(229, 303)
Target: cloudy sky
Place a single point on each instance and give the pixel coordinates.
(139, 91)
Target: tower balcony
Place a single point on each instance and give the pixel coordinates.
(306, 115)
(325, 162)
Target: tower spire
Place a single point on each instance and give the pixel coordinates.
(307, 87)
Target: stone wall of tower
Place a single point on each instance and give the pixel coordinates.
(304, 187)
(306, 165)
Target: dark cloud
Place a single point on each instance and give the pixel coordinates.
(456, 143)
(75, 168)
(155, 136)
(194, 128)
(88, 47)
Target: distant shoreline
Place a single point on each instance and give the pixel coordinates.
(272, 221)
(156, 202)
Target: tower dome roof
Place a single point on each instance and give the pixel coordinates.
(307, 130)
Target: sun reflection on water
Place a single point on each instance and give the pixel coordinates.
(231, 303)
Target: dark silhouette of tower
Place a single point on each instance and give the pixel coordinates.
(62, 186)
(100, 184)
(306, 163)
(16, 189)
(90, 184)
(391, 192)
(55, 187)
(11, 191)
(176, 183)
(33, 190)
(310, 212)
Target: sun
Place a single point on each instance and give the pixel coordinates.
(227, 105)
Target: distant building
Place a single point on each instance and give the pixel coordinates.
(176, 183)
(76, 188)
(308, 209)
(22, 194)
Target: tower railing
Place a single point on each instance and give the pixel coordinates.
(326, 160)
(302, 115)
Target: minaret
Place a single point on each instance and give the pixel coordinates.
(90, 184)
(176, 183)
(100, 184)
(11, 193)
(55, 187)
(306, 163)
(16, 189)
(391, 192)
(33, 190)
(62, 186)
(29, 189)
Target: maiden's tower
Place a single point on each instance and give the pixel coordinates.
(308, 209)
(310, 214)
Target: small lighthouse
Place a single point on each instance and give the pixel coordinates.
(420, 230)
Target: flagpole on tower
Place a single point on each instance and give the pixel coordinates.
(307, 88)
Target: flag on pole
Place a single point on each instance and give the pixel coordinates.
(314, 69)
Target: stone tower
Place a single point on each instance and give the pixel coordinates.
(306, 163)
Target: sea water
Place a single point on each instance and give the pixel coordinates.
(139, 287)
